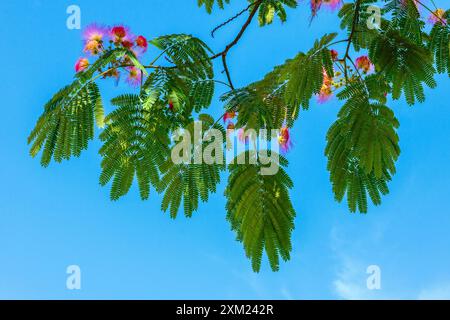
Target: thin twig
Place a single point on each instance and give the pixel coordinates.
(227, 71)
(224, 53)
(231, 19)
(350, 37)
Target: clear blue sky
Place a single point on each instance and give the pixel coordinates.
(59, 216)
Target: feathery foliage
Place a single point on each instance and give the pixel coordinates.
(210, 3)
(191, 179)
(267, 8)
(189, 54)
(67, 124)
(306, 72)
(270, 8)
(165, 86)
(355, 23)
(262, 104)
(362, 145)
(404, 63)
(439, 44)
(260, 211)
(405, 19)
(189, 85)
(135, 145)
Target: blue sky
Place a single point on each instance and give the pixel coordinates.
(55, 217)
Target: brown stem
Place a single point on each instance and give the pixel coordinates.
(224, 53)
(350, 37)
(231, 19)
(227, 71)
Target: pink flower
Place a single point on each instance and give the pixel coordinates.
(229, 115)
(121, 35)
(325, 95)
(134, 76)
(437, 17)
(332, 4)
(284, 139)
(325, 92)
(81, 64)
(94, 32)
(117, 33)
(93, 47)
(334, 54)
(142, 43)
(315, 6)
(364, 64)
(93, 38)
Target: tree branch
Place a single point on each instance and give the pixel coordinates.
(227, 71)
(224, 53)
(350, 37)
(231, 19)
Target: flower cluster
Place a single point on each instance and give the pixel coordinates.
(332, 5)
(363, 63)
(326, 92)
(94, 37)
(227, 119)
(81, 64)
(330, 84)
(284, 139)
(437, 16)
(229, 116)
(98, 38)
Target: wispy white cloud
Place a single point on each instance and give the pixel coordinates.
(350, 282)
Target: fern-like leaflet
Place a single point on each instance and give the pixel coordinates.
(260, 211)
